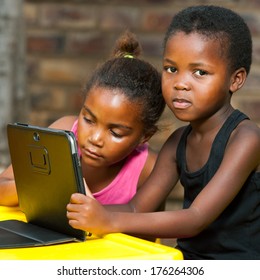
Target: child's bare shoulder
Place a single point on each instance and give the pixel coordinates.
(247, 131)
(176, 135)
(65, 122)
(170, 146)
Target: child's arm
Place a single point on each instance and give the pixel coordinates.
(241, 158)
(148, 167)
(83, 211)
(8, 194)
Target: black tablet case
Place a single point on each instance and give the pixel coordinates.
(47, 171)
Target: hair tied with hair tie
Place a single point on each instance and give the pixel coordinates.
(128, 56)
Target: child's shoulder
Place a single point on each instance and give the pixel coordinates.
(65, 122)
(171, 144)
(247, 129)
(176, 135)
(246, 136)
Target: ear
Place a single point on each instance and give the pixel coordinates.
(147, 136)
(238, 79)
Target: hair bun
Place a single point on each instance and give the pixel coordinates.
(127, 46)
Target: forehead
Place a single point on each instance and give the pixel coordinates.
(113, 104)
(197, 43)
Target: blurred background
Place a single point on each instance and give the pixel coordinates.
(48, 49)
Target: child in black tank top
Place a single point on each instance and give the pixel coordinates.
(207, 57)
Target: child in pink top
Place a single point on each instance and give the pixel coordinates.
(122, 104)
(124, 186)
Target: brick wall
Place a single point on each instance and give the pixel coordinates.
(13, 97)
(66, 40)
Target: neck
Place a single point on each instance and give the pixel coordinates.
(211, 124)
(97, 178)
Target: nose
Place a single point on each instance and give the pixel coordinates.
(96, 137)
(181, 82)
(180, 86)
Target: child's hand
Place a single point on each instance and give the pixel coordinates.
(87, 214)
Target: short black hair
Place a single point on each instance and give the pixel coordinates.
(218, 23)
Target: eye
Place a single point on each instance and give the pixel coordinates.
(170, 69)
(201, 72)
(87, 120)
(115, 134)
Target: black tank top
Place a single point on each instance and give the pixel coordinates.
(235, 234)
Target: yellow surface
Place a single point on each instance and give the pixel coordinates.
(110, 246)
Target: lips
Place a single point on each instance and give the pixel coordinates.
(92, 153)
(181, 103)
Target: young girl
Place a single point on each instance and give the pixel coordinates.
(123, 102)
(207, 57)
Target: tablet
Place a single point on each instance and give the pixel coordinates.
(47, 171)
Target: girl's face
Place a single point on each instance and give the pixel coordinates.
(196, 79)
(109, 127)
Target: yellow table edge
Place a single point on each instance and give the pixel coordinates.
(110, 246)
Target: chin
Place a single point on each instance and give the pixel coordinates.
(182, 115)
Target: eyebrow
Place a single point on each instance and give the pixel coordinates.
(89, 111)
(198, 64)
(116, 125)
(168, 60)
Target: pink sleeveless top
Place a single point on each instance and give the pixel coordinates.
(124, 186)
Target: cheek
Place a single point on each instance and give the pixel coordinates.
(82, 132)
(117, 151)
(117, 147)
(115, 154)
(166, 86)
